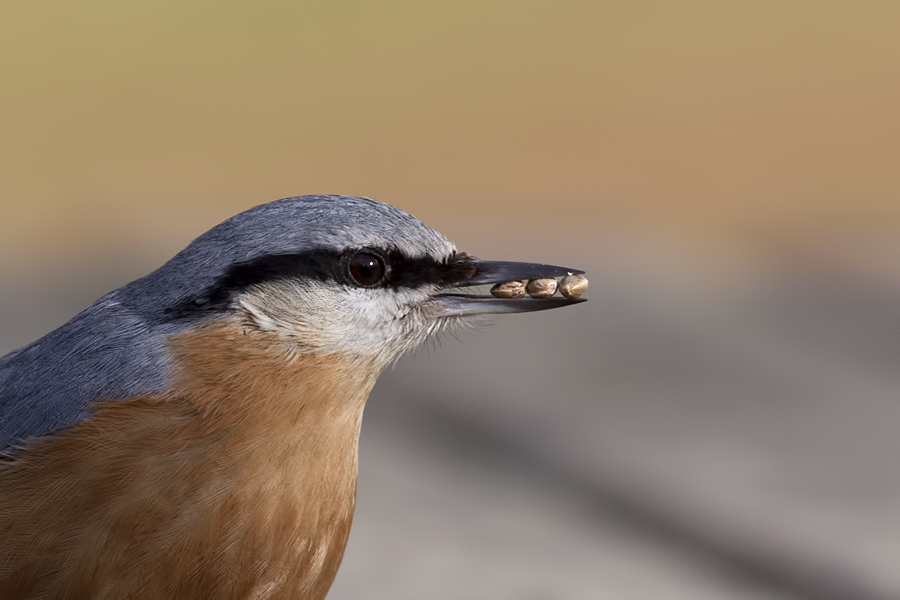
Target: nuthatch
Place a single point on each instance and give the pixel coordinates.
(194, 433)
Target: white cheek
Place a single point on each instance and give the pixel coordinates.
(377, 321)
(322, 319)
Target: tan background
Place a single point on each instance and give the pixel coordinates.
(730, 173)
(721, 117)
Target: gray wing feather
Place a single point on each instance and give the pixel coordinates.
(106, 351)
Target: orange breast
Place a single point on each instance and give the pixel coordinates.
(238, 483)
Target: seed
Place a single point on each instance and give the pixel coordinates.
(572, 286)
(541, 288)
(509, 289)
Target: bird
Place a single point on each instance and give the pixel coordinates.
(194, 433)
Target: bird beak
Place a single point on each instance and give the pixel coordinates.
(488, 272)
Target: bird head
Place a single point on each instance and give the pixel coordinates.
(334, 274)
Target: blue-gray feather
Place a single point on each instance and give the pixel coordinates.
(104, 352)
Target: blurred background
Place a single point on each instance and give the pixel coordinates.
(720, 421)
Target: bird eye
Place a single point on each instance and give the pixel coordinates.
(366, 269)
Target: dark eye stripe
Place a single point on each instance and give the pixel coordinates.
(324, 265)
(416, 272)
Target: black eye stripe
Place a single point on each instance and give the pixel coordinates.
(328, 266)
(416, 272)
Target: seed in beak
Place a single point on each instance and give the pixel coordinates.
(509, 289)
(572, 286)
(541, 288)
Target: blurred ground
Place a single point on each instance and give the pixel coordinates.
(720, 421)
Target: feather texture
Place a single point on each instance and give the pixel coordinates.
(238, 483)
